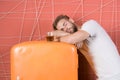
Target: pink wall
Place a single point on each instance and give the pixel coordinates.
(25, 20)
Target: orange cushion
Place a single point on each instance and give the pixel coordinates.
(42, 60)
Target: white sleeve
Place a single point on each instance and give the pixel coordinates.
(91, 27)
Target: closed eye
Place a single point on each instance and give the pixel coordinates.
(64, 24)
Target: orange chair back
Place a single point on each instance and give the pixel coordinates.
(42, 60)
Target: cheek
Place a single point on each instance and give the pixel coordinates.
(69, 25)
(58, 27)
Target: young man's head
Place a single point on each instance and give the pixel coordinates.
(64, 23)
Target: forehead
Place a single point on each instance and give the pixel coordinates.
(61, 22)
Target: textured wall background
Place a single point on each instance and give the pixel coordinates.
(26, 20)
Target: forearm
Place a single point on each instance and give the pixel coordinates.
(58, 33)
(74, 38)
(85, 51)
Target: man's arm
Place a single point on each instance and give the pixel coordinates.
(76, 37)
(85, 51)
(57, 34)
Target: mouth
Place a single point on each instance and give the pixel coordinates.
(69, 30)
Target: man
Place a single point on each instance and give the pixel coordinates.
(102, 50)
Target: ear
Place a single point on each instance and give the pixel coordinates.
(71, 20)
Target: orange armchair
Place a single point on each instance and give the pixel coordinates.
(44, 60)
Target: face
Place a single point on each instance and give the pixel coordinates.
(67, 26)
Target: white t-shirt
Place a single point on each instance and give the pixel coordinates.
(104, 52)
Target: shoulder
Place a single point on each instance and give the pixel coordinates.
(90, 24)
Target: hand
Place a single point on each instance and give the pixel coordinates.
(79, 44)
(57, 39)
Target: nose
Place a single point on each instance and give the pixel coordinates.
(65, 28)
